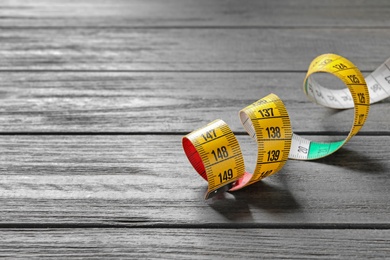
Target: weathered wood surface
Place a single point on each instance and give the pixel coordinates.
(142, 180)
(198, 243)
(184, 49)
(160, 102)
(204, 13)
(136, 72)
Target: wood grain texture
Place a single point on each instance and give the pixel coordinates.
(160, 102)
(253, 49)
(81, 67)
(146, 180)
(207, 13)
(194, 243)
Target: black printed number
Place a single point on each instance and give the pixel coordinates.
(266, 173)
(267, 112)
(361, 97)
(209, 135)
(226, 175)
(220, 153)
(273, 155)
(273, 132)
(340, 66)
(354, 79)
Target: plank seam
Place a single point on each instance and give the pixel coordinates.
(303, 133)
(155, 71)
(130, 224)
(199, 27)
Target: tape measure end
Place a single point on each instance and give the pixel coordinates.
(223, 189)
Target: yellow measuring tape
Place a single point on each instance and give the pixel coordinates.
(214, 151)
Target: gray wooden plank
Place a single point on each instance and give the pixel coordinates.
(49, 13)
(159, 102)
(128, 180)
(191, 49)
(194, 243)
(146, 180)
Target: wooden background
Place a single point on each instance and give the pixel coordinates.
(96, 95)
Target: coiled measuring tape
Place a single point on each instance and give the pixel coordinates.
(215, 153)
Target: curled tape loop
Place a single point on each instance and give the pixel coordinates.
(215, 153)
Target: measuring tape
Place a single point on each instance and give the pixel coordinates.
(215, 153)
